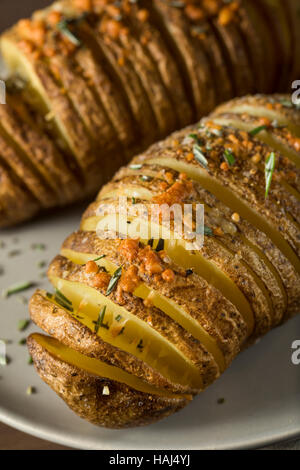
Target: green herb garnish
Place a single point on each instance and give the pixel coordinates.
(100, 257)
(160, 245)
(150, 242)
(229, 157)
(118, 318)
(30, 361)
(199, 155)
(269, 169)
(133, 200)
(16, 288)
(146, 178)
(114, 281)
(60, 295)
(140, 346)
(99, 322)
(41, 264)
(286, 103)
(23, 324)
(257, 130)
(204, 230)
(22, 341)
(138, 166)
(38, 246)
(30, 390)
(63, 27)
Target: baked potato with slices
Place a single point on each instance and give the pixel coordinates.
(93, 83)
(151, 319)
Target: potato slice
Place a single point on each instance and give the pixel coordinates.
(278, 139)
(234, 195)
(13, 197)
(278, 108)
(80, 336)
(102, 394)
(142, 324)
(258, 37)
(52, 101)
(111, 98)
(193, 62)
(148, 34)
(221, 331)
(292, 8)
(215, 218)
(278, 26)
(17, 161)
(235, 50)
(114, 56)
(40, 164)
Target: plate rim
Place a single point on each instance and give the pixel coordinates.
(27, 426)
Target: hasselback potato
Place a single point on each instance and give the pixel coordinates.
(139, 325)
(94, 82)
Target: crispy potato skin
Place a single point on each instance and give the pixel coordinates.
(164, 325)
(58, 323)
(83, 393)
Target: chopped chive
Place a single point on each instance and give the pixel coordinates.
(188, 272)
(229, 157)
(49, 295)
(63, 27)
(140, 346)
(23, 324)
(286, 103)
(38, 246)
(146, 178)
(160, 245)
(100, 257)
(63, 304)
(136, 167)
(114, 281)
(269, 169)
(62, 296)
(133, 200)
(30, 390)
(22, 341)
(13, 253)
(199, 155)
(220, 401)
(257, 130)
(204, 230)
(150, 242)
(100, 319)
(18, 288)
(29, 361)
(118, 317)
(41, 264)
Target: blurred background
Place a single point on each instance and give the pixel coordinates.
(13, 11)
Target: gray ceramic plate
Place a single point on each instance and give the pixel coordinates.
(261, 389)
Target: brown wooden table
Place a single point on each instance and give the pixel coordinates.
(10, 439)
